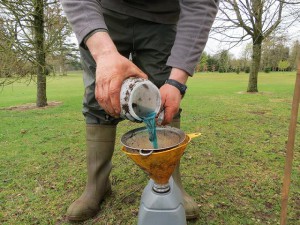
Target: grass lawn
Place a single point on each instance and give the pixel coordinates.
(234, 170)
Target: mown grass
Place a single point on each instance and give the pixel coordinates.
(234, 169)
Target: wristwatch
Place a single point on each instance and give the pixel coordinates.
(181, 87)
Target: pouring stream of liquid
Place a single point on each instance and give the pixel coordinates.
(149, 120)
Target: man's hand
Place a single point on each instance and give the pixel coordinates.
(112, 69)
(171, 96)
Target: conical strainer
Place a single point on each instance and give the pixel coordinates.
(137, 140)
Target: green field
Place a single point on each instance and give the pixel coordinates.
(234, 170)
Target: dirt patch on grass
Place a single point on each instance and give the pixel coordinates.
(259, 112)
(279, 100)
(32, 106)
(254, 93)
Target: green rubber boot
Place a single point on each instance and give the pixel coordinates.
(100, 140)
(190, 206)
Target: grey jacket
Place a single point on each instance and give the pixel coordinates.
(193, 25)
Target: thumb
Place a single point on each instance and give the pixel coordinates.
(168, 117)
(136, 72)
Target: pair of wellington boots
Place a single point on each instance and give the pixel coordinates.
(100, 140)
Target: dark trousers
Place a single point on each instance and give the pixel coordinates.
(148, 45)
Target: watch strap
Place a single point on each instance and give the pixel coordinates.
(181, 87)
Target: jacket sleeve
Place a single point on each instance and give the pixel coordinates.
(84, 16)
(195, 21)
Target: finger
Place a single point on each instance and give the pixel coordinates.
(102, 97)
(98, 95)
(108, 106)
(167, 117)
(114, 93)
(136, 72)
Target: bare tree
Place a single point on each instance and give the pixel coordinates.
(295, 54)
(10, 61)
(255, 20)
(274, 50)
(39, 40)
(35, 27)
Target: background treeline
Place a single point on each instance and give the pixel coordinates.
(277, 55)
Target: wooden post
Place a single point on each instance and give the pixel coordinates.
(290, 149)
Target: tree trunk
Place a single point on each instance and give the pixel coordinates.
(255, 64)
(41, 71)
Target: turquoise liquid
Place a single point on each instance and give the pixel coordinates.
(149, 120)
